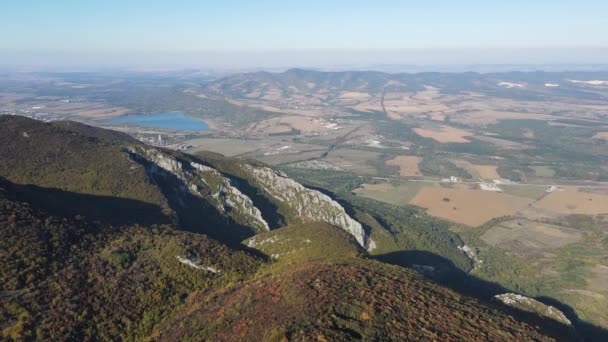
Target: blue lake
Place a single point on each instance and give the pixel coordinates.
(173, 121)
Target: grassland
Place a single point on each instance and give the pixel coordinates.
(563, 259)
(526, 237)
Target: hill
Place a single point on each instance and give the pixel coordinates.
(321, 286)
(105, 237)
(228, 199)
(69, 278)
(325, 85)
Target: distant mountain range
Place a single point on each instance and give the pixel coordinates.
(533, 83)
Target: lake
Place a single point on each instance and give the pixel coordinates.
(174, 121)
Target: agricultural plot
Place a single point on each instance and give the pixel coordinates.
(598, 278)
(445, 134)
(487, 172)
(408, 165)
(468, 207)
(524, 190)
(502, 144)
(357, 161)
(293, 123)
(399, 107)
(571, 200)
(284, 157)
(543, 171)
(400, 194)
(529, 238)
(354, 95)
(227, 147)
(601, 135)
(491, 116)
(45, 105)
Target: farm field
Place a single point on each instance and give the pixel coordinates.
(502, 144)
(601, 135)
(571, 200)
(402, 105)
(400, 194)
(487, 172)
(528, 190)
(357, 161)
(528, 237)
(287, 124)
(227, 147)
(408, 165)
(468, 207)
(543, 171)
(444, 134)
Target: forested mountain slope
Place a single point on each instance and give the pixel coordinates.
(107, 238)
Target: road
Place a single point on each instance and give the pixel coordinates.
(595, 185)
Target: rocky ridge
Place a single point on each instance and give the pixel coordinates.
(308, 205)
(198, 179)
(532, 305)
(207, 182)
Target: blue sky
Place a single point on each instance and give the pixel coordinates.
(134, 26)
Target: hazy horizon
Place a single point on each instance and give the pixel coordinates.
(236, 34)
(557, 59)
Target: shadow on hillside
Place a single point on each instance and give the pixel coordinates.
(448, 275)
(269, 210)
(225, 166)
(105, 209)
(348, 207)
(194, 213)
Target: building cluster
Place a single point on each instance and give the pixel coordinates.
(452, 179)
(153, 140)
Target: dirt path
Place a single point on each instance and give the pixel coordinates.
(382, 102)
(339, 141)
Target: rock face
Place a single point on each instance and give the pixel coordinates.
(198, 180)
(472, 255)
(307, 205)
(532, 305)
(205, 182)
(192, 263)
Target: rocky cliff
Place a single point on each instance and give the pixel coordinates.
(308, 205)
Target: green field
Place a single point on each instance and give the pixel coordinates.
(397, 194)
(543, 171)
(524, 190)
(227, 147)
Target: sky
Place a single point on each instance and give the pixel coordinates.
(248, 33)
